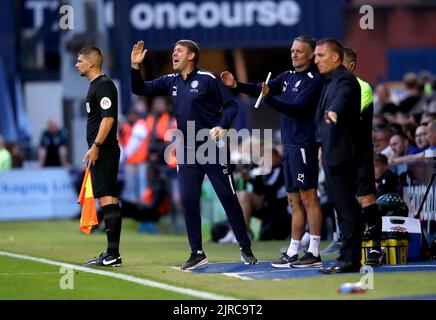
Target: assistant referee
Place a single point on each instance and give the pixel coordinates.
(103, 155)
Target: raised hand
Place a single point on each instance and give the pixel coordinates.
(138, 54)
(228, 79)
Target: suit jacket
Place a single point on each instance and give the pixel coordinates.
(340, 141)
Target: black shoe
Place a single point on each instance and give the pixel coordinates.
(284, 261)
(195, 260)
(307, 261)
(105, 260)
(340, 267)
(374, 258)
(247, 256)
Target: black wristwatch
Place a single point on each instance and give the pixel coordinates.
(97, 144)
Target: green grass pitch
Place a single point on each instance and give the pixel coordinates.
(151, 257)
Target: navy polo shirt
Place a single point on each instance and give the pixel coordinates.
(295, 95)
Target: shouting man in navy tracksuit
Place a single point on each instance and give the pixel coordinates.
(199, 96)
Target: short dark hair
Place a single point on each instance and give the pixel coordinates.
(192, 47)
(401, 134)
(350, 54)
(307, 39)
(87, 50)
(381, 158)
(334, 44)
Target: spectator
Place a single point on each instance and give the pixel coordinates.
(426, 118)
(383, 103)
(268, 202)
(155, 203)
(158, 122)
(421, 138)
(431, 135)
(16, 154)
(144, 143)
(135, 153)
(409, 131)
(379, 121)
(421, 142)
(53, 150)
(380, 139)
(386, 181)
(125, 128)
(141, 107)
(426, 79)
(5, 156)
(431, 99)
(414, 93)
(399, 145)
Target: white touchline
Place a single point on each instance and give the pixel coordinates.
(144, 282)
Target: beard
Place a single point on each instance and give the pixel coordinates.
(82, 73)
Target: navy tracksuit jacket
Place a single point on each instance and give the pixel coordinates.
(204, 99)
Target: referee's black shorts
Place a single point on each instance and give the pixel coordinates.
(104, 172)
(365, 176)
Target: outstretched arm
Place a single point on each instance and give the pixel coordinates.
(298, 104)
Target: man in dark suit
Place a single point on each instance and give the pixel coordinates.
(337, 120)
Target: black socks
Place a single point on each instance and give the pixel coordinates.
(112, 220)
(374, 221)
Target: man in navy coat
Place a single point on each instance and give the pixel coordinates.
(337, 120)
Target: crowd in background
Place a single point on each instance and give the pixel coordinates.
(404, 127)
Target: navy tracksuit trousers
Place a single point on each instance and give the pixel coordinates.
(191, 178)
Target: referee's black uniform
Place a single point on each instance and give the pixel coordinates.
(101, 102)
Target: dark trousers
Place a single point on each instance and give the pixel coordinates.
(341, 182)
(191, 178)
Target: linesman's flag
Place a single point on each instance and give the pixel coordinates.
(86, 198)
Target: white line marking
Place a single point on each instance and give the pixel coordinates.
(236, 275)
(144, 282)
(27, 273)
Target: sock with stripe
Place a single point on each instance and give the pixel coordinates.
(314, 245)
(293, 247)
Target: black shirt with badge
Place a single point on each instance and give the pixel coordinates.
(101, 102)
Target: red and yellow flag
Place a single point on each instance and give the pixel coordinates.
(86, 198)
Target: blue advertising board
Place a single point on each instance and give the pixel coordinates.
(226, 24)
